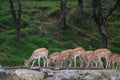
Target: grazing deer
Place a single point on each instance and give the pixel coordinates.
(37, 55)
(77, 52)
(99, 54)
(55, 58)
(65, 56)
(114, 58)
(88, 58)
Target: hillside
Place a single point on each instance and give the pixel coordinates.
(40, 28)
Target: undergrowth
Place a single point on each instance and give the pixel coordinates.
(40, 28)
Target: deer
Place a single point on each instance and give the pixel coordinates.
(55, 58)
(88, 58)
(99, 54)
(37, 55)
(65, 56)
(114, 58)
(77, 52)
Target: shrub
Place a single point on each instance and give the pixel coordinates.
(53, 43)
(68, 45)
(51, 50)
(40, 42)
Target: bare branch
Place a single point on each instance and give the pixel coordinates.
(112, 9)
(95, 4)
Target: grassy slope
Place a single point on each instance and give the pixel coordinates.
(40, 28)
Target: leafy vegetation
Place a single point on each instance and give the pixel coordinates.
(40, 28)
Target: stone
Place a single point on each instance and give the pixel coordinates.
(26, 74)
(2, 69)
(83, 75)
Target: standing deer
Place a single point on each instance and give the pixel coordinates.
(114, 58)
(88, 58)
(37, 55)
(77, 52)
(65, 56)
(99, 54)
(55, 58)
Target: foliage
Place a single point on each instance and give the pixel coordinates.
(40, 28)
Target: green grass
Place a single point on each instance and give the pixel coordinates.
(40, 28)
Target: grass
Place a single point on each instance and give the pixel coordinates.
(40, 28)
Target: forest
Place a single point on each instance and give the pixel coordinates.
(26, 25)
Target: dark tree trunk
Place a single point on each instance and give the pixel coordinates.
(16, 20)
(19, 18)
(80, 6)
(103, 34)
(63, 14)
(100, 19)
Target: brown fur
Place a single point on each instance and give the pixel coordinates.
(77, 52)
(88, 58)
(55, 58)
(37, 54)
(114, 58)
(102, 53)
(65, 55)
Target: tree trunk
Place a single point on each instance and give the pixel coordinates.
(98, 18)
(80, 6)
(16, 21)
(63, 14)
(103, 34)
(19, 18)
(101, 19)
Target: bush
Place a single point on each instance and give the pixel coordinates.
(6, 22)
(116, 41)
(53, 43)
(51, 50)
(25, 21)
(115, 49)
(68, 45)
(40, 42)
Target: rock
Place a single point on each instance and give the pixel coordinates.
(2, 69)
(83, 75)
(26, 74)
(67, 74)
(9, 75)
(21, 74)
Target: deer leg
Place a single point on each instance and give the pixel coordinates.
(75, 62)
(39, 62)
(107, 63)
(44, 62)
(113, 65)
(47, 61)
(62, 63)
(92, 64)
(88, 63)
(56, 63)
(96, 63)
(33, 63)
(80, 60)
(70, 63)
(101, 64)
(116, 66)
